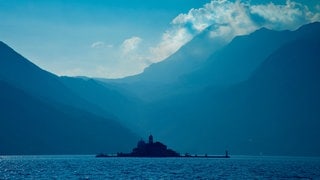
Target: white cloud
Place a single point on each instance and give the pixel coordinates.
(130, 44)
(228, 19)
(171, 42)
(289, 16)
(101, 44)
(110, 46)
(97, 44)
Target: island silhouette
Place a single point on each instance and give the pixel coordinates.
(156, 149)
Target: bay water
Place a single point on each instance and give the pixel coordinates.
(89, 167)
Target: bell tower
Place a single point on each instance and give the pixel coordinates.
(150, 139)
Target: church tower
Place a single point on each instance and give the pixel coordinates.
(150, 139)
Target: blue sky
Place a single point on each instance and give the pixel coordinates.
(117, 38)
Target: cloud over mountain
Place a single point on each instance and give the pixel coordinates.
(228, 19)
(222, 19)
(288, 16)
(130, 44)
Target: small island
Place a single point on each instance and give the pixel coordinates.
(156, 149)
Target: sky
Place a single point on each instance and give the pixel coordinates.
(114, 39)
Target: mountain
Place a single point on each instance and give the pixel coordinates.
(109, 98)
(239, 59)
(277, 110)
(206, 62)
(20, 72)
(23, 74)
(40, 115)
(257, 95)
(160, 78)
(185, 60)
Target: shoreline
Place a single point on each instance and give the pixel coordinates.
(183, 156)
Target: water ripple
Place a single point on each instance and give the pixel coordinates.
(89, 167)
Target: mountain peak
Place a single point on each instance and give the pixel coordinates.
(4, 48)
(2, 43)
(310, 29)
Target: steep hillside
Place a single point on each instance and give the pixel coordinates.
(40, 115)
(20, 72)
(108, 98)
(185, 60)
(23, 74)
(159, 79)
(29, 126)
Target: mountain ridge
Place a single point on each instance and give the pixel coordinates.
(39, 115)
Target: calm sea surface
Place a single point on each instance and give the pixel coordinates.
(89, 167)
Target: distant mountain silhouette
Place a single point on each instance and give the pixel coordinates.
(239, 59)
(275, 111)
(185, 60)
(23, 74)
(20, 72)
(107, 97)
(259, 94)
(159, 79)
(252, 96)
(278, 107)
(217, 64)
(40, 115)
